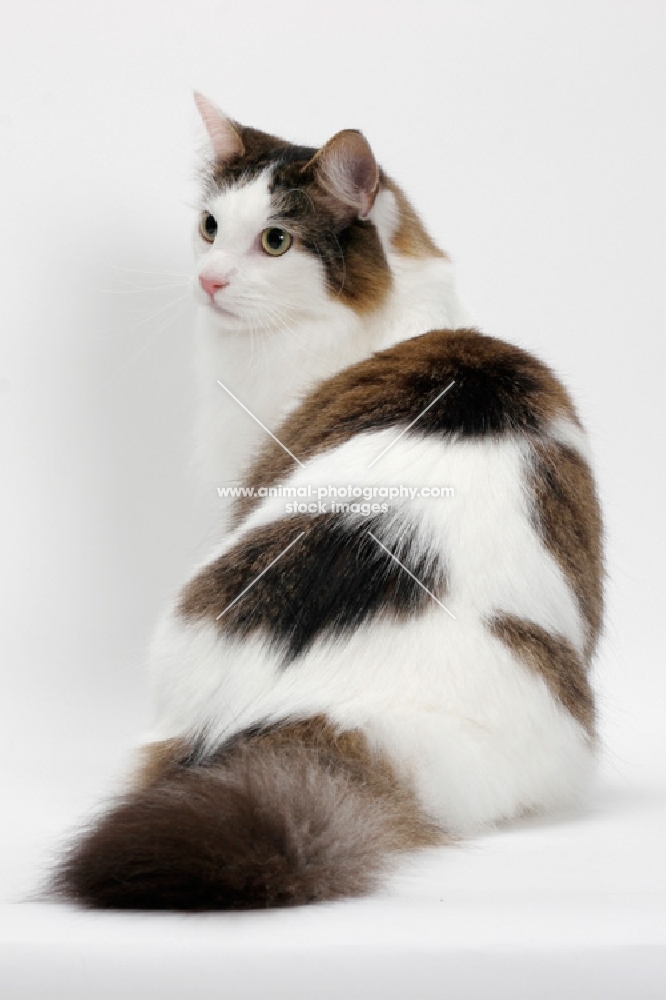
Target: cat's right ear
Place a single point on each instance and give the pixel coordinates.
(227, 143)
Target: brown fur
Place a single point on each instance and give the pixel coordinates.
(260, 150)
(156, 759)
(498, 387)
(349, 750)
(329, 581)
(410, 238)
(555, 660)
(220, 581)
(357, 272)
(291, 815)
(568, 517)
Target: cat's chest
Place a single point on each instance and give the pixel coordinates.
(248, 384)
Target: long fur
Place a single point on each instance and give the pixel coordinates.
(272, 825)
(318, 710)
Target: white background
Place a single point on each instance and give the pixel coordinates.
(531, 137)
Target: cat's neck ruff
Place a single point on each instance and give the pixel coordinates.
(268, 372)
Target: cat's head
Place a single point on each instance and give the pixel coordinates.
(290, 232)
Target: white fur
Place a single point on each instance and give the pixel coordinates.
(479, 733)
(571, 435)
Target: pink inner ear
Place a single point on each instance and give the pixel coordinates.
(365, 176)
(227, 143)
(349, 170)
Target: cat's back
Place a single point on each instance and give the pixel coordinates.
(423, 561)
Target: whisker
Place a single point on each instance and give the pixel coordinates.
(155, 272)
(143, 288)
(150, 339)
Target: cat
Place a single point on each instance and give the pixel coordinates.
(347, 679)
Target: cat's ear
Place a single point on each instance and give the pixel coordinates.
(346, 168)
(227, 143)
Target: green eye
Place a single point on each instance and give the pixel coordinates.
(208, 227)
(276, 241)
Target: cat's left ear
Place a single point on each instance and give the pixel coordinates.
(227, 143)
(346, 168)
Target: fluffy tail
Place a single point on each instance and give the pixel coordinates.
(293, 814)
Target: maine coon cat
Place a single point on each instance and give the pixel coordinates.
(350, 678)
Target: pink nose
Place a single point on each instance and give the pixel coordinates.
(212, 285)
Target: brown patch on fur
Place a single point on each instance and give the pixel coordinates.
(349, 751)
(290, 815)
(411, 237)
(220, 581)
(260, 150)
(555, 660)
(157, 759)
(568, 517)
(349, 249)
(327, 583)
(498, 388)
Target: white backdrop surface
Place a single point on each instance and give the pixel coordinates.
(531, 137)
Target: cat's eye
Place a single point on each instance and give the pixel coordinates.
(276, 241)
(208, 227)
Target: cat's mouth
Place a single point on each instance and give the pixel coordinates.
(222, 310)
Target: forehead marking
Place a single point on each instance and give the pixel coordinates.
(242, 209)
